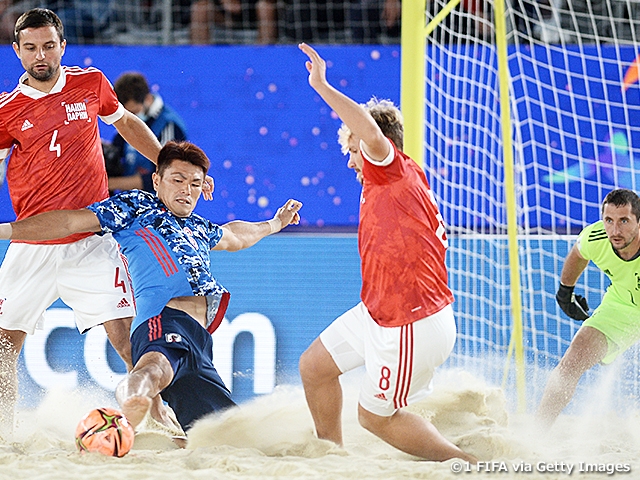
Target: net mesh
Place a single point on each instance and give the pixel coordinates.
(576, 136)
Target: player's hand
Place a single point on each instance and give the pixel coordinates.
(575, 306)
(316, 66)
(207, 188)
(288, 213)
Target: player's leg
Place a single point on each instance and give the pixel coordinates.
(197, 389)
(11, 342)
(27, 288)
(412, 434)
(338, 349)
(607, 333)
(400, 363)
(587, 348)
(184, 348)
(320, 379)
(118, 332)
(93, 280)
(135, 393)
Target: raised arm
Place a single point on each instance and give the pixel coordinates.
(238, 234)
(361, 124)
(51, 225)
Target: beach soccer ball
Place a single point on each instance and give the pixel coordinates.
(106, 431)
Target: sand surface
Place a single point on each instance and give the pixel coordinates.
(272, 437)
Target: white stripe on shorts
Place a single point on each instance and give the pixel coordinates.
(405, 366)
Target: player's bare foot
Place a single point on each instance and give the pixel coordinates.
(163, 414)
(180, 441)
(135, 408)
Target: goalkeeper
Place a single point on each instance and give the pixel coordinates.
(613, 245)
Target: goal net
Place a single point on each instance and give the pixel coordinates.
(575, 127)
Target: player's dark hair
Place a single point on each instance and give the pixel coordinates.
(131, 86)
(185, 151)
(621, 197)
(37, 18)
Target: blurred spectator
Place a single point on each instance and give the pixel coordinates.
(468, 22)
(539, 19)
(128, 169)
(375, 21)
(316, 21)
(229, 21)
(6, 25)
(10, 10)
(480, 27)
(84, 20)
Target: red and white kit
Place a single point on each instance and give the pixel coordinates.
(404, 328)
(56, 162)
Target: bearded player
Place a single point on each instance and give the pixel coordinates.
(49, 128)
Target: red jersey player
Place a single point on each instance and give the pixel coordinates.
(404, 326)
(48, 124)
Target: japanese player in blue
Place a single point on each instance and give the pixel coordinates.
(179, 303)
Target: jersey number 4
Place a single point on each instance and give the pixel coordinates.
(120, 281)
(53, 146)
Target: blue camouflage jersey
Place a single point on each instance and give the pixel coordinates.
(167, 256)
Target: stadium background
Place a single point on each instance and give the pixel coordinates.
(270, 138)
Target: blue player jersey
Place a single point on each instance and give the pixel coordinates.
(167, 256)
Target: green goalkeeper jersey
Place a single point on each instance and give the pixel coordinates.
(624, 275)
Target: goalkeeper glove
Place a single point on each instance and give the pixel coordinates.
(575, 306)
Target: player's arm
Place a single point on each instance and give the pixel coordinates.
(238, 234)
(51, 225)
(361, 124)
(573, 267)
(137, 134)
(575, 306)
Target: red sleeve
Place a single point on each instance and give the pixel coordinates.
(107, 96)
(384, 175)
(6, 141)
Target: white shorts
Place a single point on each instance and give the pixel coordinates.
(89, 275)
(399, 361)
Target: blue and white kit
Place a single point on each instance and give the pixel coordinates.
(168, 256)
